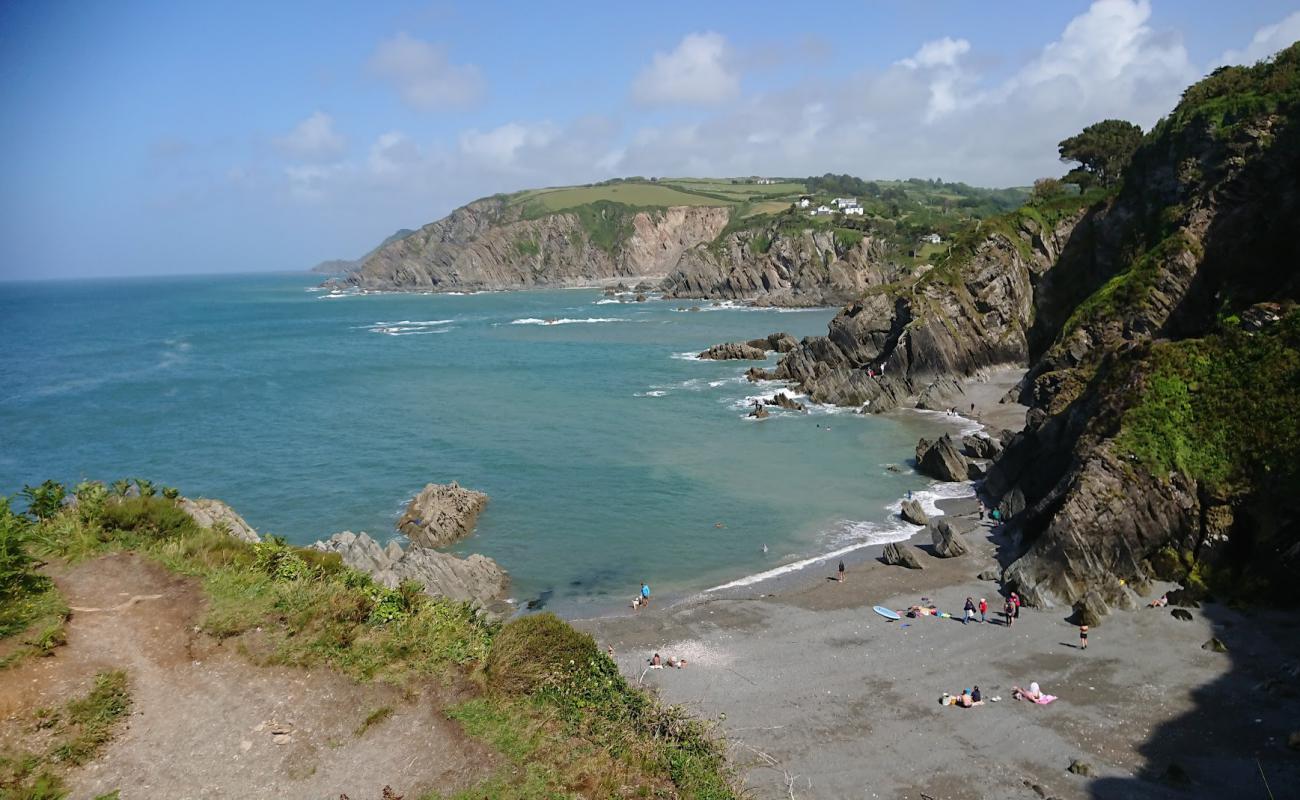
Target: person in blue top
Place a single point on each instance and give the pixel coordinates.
(645, 593)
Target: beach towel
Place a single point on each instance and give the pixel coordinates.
(1045, 699)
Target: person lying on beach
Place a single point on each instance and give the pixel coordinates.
(1034, 693)
(676, 663)
(1159, 602)
(657, 663)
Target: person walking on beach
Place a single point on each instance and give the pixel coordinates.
(840, 576)
(1083, 637)
(969, 610)
(1015, 601)
(645, 593)
(984, 610)
(1010, 611)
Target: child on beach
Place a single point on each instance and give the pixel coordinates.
(1010, 611)
(841, 573)
(969, 610)
(984, 609)
(1083, 637)
(645, 593)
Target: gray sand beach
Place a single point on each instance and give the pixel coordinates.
(820, 697)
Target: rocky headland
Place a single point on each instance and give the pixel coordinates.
(1157, 325)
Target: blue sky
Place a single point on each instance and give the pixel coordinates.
(162, 138)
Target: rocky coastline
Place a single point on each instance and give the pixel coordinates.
(438, 516)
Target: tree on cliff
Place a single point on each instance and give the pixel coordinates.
(1103, 151)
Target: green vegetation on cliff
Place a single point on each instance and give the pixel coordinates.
(588, 731)
(1223, 410)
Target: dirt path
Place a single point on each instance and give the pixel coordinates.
(205, 723)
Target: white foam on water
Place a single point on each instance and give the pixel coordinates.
(965, 425)
(423, 323)
(604, 301)
(850, 535)
(651, 393)
(749, 400)
(692, 356)
(936, 491)
(564, 321)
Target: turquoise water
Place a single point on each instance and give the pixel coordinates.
(609, 457)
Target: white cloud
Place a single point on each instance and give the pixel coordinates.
(938, 53)
(1267, 41)
(501, 147)
(701, 71)
(313, 139)
(424, 76)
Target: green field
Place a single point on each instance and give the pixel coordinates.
(632, 194)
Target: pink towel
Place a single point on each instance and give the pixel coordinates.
(1045, 699)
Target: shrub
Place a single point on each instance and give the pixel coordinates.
(44, 501)
(277, 559)
(150, 517)
(91, 498)
(16, 562)
(536, 652)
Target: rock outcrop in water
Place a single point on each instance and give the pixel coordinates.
(441, 515)
(476, 579)
(940, 459)
(734, 350)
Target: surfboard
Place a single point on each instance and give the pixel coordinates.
(886, 613)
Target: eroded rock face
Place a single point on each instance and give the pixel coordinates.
(734, 350)
(215, 514)
(489, 245)
(913, 513)
(980, 446)
(780, 268)
(947, 541)
(474, 579)
(901, 554)
(441, 514)
(941, 460)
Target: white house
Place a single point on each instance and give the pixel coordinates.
(932, 238)
(822, 210)
(853, 210)
(845, 202)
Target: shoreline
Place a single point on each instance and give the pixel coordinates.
(985, 391)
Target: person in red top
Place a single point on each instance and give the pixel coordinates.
(984, 609)
(1015, 601)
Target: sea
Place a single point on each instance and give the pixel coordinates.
(612, 454)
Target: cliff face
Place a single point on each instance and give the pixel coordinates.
(487, 245)
(775, 267)
(1162, 338)
(966, 315)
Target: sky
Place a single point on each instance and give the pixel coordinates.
(142, 138)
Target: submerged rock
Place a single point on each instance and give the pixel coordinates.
(216, 514)
(901, 554)
(441, 514)
(734, 350)
(940, 459)
(913, 513)
(947, 542)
